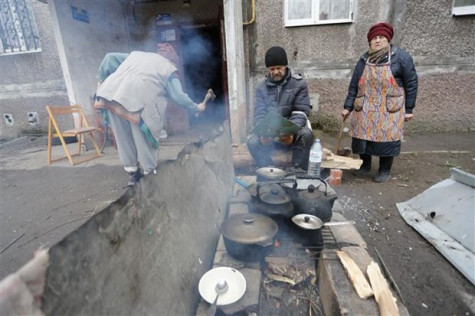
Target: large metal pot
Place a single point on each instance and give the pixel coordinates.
(248, 237)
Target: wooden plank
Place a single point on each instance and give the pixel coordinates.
(332, 161)
(382, 293)
(355, 275)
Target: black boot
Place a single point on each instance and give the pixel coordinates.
(384, 172)
(134, 177)
(365, 167)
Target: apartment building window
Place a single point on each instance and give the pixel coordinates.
(18, 31)
(311, 12)
(463, 7)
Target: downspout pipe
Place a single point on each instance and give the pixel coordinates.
(253, 13)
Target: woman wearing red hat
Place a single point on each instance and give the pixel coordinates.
(381, 95)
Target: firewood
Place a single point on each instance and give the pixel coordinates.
(382, 293)
(355, 275)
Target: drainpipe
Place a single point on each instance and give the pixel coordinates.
(253, 13)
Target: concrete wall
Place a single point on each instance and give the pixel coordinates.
(30, 81)
(145, 253)
(83, 44)
(443, 48)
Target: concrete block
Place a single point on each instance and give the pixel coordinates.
(249, 179)
(337, 207)
(223, 259)
(337, 295)
(241, 196)
(250, 301)
(221, 246)
(346, 234)
(203, 308)
(238, 208)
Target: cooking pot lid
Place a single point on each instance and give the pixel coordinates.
(275, 195)
(234, 279)
(249, 228)
(311, 193)
(303, 184)
(263, 187)
(307, 221)
(271, 173)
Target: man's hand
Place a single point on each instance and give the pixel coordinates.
(408, 117)
(265, 140)
(201, 107)
(286, 139)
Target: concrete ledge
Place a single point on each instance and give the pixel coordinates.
(346, 235)
(249, 303)
(337, 294)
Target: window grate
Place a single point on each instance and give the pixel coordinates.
(18, 31)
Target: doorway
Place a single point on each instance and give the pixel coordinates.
(202, 67)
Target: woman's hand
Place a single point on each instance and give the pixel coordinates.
(408, 117)
(344, 114)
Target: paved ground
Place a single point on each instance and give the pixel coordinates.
(40, 204)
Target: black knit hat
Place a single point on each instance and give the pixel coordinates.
(276, 56)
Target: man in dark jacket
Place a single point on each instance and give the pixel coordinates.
(285, 93)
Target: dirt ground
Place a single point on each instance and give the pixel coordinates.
(429, 284)
(41, 204)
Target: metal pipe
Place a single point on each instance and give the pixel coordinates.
(253, 13)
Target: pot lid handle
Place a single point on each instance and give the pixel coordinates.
(248, 219)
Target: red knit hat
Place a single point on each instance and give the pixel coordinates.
(384, 29)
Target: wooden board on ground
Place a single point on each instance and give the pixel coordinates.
(355, 275)
(382, 293)
(332, 161)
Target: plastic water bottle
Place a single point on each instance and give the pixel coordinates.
(315, 159)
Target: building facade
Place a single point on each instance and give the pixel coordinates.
(223, 43)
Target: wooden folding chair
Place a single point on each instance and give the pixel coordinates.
(82, 130)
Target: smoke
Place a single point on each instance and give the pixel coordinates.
(198, 47)
(201, 63)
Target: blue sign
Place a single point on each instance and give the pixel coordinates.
(80, 14)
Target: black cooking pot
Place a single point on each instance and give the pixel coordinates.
(248, 237)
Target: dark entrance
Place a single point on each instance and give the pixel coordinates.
(202, 67)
